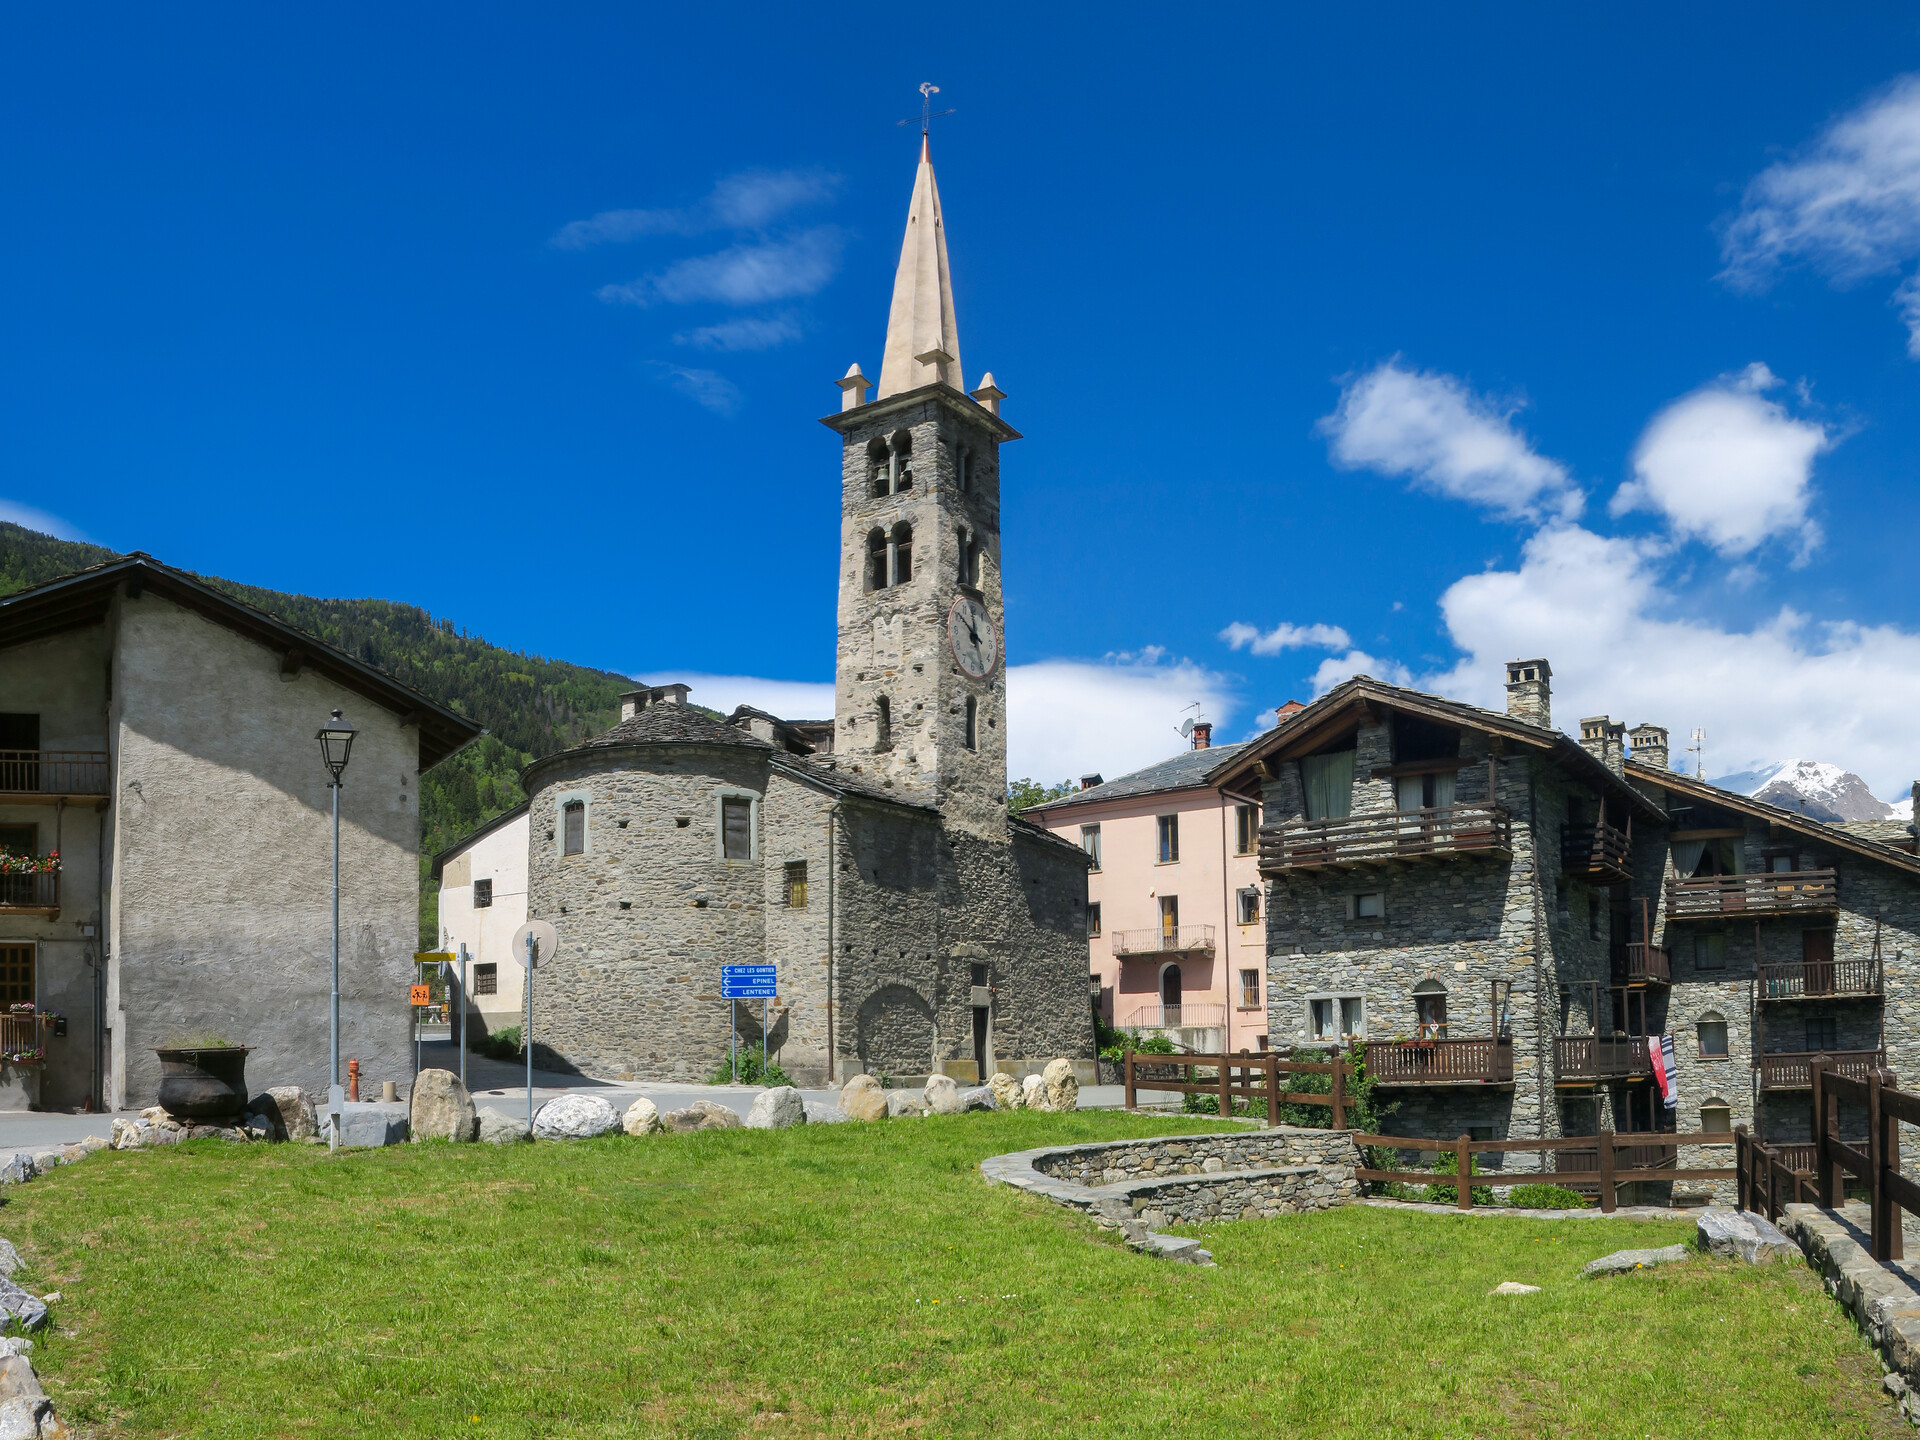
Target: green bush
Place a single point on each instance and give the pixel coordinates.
(497, 1044)
(1546, 1197)
(749, 1072)
(1112, 1045)
(1447, 1163)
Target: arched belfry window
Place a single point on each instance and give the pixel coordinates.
(879, 469)
(973, 723)
(882, 723)
(877, 576)
(968, 547)
(900, 446)
(902, 553)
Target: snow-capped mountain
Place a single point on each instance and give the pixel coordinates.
(1819, 790)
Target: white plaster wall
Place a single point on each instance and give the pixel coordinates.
(488, 932)
(222, 900)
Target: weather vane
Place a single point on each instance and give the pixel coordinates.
(927, 113)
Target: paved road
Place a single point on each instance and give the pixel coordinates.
(501, 1086)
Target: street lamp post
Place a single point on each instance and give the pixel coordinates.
(336, 743)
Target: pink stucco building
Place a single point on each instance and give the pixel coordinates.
(1176, 940)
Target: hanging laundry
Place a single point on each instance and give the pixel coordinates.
(1660, 1052)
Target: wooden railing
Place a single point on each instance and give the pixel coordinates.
(1597, 850)
(18, 1034)
(1772, 1176)
(1176, 1017)
(1389, 835)
(1606, 1175)
(1780, 892)
(1888, 1191)
(1642, 964)
(81, 773)
(1793, 1070)
(1810, 979)
(1592, 1058)
(1163, 937)
(38, 891)
(1253, 1078)
(1440, 1062)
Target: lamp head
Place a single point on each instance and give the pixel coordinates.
(336, 743)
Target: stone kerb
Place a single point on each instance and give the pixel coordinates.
(1883, 1299)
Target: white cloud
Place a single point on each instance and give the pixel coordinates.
(1728, 466)
(1433, 429)
(41, 521)
(746, 333)
(746, 201)
(1337, 668)
(1241, 636)
(1848, 207)
(703, 387)
(749, 273)
(789, 699)
(1621, 645)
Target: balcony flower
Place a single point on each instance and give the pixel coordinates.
(29, 864)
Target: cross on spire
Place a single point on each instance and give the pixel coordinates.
(927, 113)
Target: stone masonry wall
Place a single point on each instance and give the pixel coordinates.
(1115, 1163)
(1259, 1194)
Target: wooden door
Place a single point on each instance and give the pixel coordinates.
(1816, 952)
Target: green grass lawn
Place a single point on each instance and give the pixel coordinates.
(857, 1280)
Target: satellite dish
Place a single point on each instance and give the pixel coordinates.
(1186, 728)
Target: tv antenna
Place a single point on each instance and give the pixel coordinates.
(1186, 726)
(927, 113)
(1699, 752)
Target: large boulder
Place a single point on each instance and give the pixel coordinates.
(943, 1095)
(642, 1118)
(1622, 1262)
(288, 1110)
(496, 1127)
(1033, 1093)
(1743, 1235)
(861, 1098)
(441, 1107)
(702, 1115)
(1007, 1093)
(1063, 1090)
(905, 1102)
(978, 1098)
(574, 1117)
(819, 1112)
(363, 1123)
(28, 1311)
(780, 1108)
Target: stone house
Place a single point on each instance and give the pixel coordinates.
(915, 925)
(1506, 920)
(1176, 929)
(482, 881)
(159, 735)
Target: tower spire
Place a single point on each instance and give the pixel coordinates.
(923, 343)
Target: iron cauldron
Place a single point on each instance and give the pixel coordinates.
(203, 1082)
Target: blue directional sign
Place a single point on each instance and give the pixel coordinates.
(749, 982)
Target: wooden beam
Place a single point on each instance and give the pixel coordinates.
(292, 662)
(1739, 834)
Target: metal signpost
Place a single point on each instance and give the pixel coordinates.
(463, 1014)
(536, 941)
(748, 982)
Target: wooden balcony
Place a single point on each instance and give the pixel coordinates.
(1163, 939)
(1780, 892)
(1435, 1063)
(1598, 853)
(1592, 1059)
(1859, 977)
(1393, 835)
(1638, 963)
(41, 777)
(35, 894)
(1794, 1070)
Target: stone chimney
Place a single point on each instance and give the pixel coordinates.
(1292, 707)
(1650, 745)
(1087, 782)
(1529, 691)
(1203, 734)
(1605, 740)
(633, 702)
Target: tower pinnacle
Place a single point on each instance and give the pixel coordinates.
(923, 343)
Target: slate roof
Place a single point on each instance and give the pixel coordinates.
(1676, 783)
(1185, 771)
(676, 725)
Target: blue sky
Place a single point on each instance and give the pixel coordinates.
(1395, 339)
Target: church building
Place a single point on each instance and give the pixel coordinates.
(915, 925)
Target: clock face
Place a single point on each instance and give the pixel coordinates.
(971, 632)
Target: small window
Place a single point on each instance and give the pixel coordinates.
(574, 828)
(902, 548)
(877, 560)
(486, 979)
(1430, 1009)
(1425, 792)
(1716, 1116)
(882, 723)
(973, 723)
(482, 894)
(1093, 918)
(1090, 842)
(1780, 863)
(1368, 905)
(1823, 1034)
(1712, 1029)
(22, 840)
(1169, 839)
(1320, 1020)
(796, 884)
(1249, 989)
(1353, 1018)
(1246, 829)
(1710, 951)
(1249, 906)
(1593, 917)
(736, 829)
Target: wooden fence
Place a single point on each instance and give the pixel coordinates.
(1771, 1176)
(1606, 1177)
(1888, 1191)
(1250, 1077)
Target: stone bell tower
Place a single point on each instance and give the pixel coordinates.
(920, 683)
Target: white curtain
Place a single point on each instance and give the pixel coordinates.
(1329, 785)
(1686, 857)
